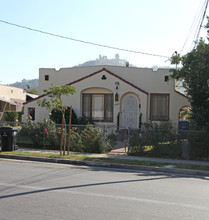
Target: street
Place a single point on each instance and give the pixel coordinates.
(35, 190)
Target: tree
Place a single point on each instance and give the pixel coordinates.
(55, 102)
(194, 73)
(32, 91)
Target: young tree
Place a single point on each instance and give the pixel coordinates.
(55, 102)
(194, 73)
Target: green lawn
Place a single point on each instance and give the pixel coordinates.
(109, 160)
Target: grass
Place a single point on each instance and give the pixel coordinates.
(108, 160)
(84, 158)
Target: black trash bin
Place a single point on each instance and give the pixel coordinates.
(8, 138)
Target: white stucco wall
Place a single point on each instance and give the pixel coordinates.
(143, 78)
(12, 92)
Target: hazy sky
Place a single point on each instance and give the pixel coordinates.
(152, 26)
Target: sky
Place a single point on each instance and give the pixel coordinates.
(158, 27)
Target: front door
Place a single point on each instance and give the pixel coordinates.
(130, 112)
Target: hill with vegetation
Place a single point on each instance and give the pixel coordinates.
(102, 60)
(26, 84)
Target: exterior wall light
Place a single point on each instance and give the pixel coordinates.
(116, 94)
(117, 84)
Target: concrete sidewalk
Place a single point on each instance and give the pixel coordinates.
(123, 156)
(168, 168)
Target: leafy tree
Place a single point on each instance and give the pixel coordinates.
(55, 102)
(32, 91)
(194, 73)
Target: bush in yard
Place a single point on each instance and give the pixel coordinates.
(11, 116)
(42, 133)
(56, 116)
(92, 139)
(136, 144)
(75, 141)
(153, 139)
(52, 134)
(19, 118)
(199, 144)
(85, 121)
(34, 130)
(112, 139)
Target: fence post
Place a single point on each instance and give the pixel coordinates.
(104, 138)
(129, 131)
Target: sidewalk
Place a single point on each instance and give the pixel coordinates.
(123, 156)
(169, 168)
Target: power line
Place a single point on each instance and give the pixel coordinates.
(196, 19)
(201, 21)
(193, 35)
(81, 41)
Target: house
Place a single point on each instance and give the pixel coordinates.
(113, 95)
(11, 98)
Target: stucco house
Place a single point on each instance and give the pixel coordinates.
(113, 95)
(11, 98)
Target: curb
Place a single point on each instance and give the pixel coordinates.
(108, 165)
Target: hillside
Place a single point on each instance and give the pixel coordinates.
(102, 60)
(26, 84)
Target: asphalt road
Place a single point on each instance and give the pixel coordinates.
(34, 190)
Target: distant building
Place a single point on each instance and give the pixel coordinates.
(12, 99)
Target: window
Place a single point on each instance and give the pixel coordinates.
(166, 78)
(159, 107)
(98, 107)
(31, 113)
(46, 77)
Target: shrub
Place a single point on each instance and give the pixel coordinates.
(75, 141)
(92, 139)
(11, 116)
(56, 116)
(152, 140)
(199, 144)
(112, 138)
(136, 144)
(85, 121)
(20, 116)
(42, 133)
(52, 134)
(34, 130)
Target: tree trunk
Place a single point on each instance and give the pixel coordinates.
(68, 146)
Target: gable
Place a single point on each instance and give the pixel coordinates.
(93, 74)
(111, 73)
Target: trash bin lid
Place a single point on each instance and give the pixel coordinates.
(7, 128)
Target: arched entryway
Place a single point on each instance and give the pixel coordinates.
(184, 113)
(130, 111)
